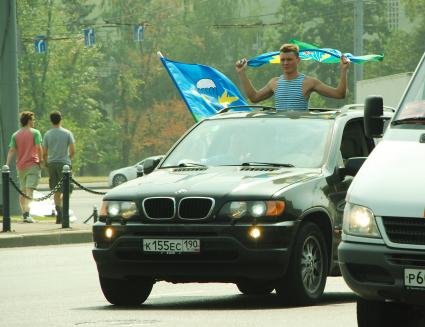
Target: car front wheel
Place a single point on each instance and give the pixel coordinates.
(305, 278)
(118, 179)
(126, 291)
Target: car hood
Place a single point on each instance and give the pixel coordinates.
(214, 181)
(391, 181)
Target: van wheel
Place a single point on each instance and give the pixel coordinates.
(305, 278)
(255, 287)
(379, 313)
(125, 291)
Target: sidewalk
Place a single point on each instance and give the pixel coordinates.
(44, 233)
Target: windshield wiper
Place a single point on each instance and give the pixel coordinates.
(273, 164)
(186, 164)
(408, 120)
(191, 164)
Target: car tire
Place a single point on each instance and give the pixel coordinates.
(305, 278)
(118, 179)
(255, 288)
(125, 291)
(380, 313)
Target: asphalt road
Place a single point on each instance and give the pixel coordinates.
(58, 286)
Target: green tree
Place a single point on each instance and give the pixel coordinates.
(65, 77)
(183, 31)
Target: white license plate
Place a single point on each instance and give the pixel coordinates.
(414, 278)
(172, 246)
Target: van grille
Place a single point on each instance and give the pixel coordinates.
(195, 208)
(159, 208)
(405, 230)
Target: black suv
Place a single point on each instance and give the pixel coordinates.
(252, 198)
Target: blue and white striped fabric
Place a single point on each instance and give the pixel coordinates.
(289, 94)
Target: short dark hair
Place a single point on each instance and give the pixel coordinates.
(55, 117)
(290, 47)
(25, 117)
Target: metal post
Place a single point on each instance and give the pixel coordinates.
(8, 87)
(66, 171)
(140, 171)
(95, 214)
(5, 172)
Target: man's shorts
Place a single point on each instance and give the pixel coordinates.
(29, 177)
(55, 174)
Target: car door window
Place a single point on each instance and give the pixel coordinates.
(354, 142)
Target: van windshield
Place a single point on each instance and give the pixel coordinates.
(254, 141)
(413, 104)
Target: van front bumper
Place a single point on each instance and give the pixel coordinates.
(376, 272)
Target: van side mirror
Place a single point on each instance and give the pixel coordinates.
(353, 165)
(150, 164)
(373, 116)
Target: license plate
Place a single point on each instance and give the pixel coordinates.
(172, 246)
(414, 278)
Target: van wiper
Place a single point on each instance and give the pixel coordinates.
(408, 120)
(191, 164)
(186, 164)
(273, 164)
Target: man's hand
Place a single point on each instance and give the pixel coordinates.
(241, 65)
(345, 63)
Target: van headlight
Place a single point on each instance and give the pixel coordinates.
(255, 209)
(116, 209)
(359, 221)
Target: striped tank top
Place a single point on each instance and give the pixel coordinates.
(289, 94)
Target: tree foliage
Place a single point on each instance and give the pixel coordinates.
(118, 99)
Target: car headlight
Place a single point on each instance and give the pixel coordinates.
(115, 209)
(240, 209)
(359, 221)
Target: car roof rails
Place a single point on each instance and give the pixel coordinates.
(361, 105)
(264, 108)
(321, 111)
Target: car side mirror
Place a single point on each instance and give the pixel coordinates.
(373, 116)
(150, 164)
(353, 165)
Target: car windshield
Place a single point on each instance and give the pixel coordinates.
(299, 142)
(413, 105)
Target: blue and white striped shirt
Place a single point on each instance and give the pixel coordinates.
(289, 94)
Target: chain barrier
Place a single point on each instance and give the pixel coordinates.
(85, 188)
(57, 188)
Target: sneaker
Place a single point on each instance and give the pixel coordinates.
(27, 218)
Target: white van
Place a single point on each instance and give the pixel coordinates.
(382, 253)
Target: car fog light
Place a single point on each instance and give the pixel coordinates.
(255, 232)
(109, 232)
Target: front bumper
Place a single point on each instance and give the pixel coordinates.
(228, 253)
(376, 272)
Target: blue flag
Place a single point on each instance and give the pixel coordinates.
(313, 52)
(204, 89)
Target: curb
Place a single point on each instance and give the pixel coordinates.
(67, 236)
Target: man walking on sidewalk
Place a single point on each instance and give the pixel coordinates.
(59, 149)
(26, 144)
